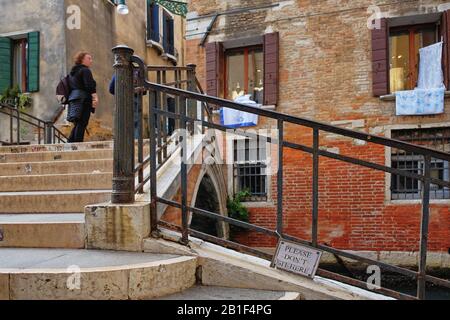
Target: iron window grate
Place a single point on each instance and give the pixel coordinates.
(250, 168)
(404, 188)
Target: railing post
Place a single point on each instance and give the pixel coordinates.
(153, 163)
(192, 104)
(123, 171)
(158, 118)
(164, 119)
(184, 177)
(315, 189)
(48, 132)
(18, 126)
(421, 279)
(280, 178)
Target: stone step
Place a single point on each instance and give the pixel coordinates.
(56, 167)
(230, 294)
(53, 274)
(82, 181)
(56, 156)
(58, 147)
(42, 231)
(51, 201)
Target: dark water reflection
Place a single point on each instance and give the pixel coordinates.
(397, 282)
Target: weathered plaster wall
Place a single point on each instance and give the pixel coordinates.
(22, 16)
(101, 29)
(96, 36)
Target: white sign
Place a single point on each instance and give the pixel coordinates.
(296, 258)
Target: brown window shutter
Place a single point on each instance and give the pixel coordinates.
(214, 54)
(380, 59)
(445, 33)
(271, 66)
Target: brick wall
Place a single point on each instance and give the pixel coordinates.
(326, 75)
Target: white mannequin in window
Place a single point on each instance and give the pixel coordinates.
(238, 92)
(260, 87)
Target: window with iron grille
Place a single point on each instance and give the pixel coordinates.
(250, 168)
(404, 188)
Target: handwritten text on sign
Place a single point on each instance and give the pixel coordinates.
(298, 259)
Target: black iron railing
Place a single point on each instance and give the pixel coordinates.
(46, 131)
(125, 172)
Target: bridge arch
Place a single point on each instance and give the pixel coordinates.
(210, 193)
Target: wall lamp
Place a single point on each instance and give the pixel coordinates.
(122, 7)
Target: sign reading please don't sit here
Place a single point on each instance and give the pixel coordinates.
(297, 259)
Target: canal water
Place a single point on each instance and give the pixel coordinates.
(397, 282)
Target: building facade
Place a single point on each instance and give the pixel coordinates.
(333, 62)
(38, 40)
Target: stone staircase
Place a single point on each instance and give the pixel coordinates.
(43, 194)
(44, 190)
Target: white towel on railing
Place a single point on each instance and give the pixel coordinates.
(234, 118)
(420, 102)
(428, 97)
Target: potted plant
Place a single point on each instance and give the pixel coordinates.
(14, 96)
(238, 211)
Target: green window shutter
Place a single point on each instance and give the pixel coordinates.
(33, 62)
(5, 63)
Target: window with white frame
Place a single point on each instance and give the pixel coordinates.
(404, 188)
(160, 27)
(250, 168)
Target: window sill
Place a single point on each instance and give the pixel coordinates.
(416, 201)
(391, 97)
(157, 45)
(170, 57)
(260, 204)
(269, 107)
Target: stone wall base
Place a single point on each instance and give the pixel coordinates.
(117, 227)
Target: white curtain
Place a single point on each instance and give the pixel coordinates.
(430, 67)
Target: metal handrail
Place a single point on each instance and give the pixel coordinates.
(184, 119)
(191, 81)
(47, 131)
(300, 121)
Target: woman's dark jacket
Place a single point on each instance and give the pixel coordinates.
(82, 84)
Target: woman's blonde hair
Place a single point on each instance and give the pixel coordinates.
(79, 57)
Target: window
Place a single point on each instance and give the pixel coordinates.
(153, 22)
(395, 50)
(19, 62)
(168, 34)
(245, 73)
(250, 168)
(404, 45)
(404, 188)
(252, 63)
(160, 30)
(19, 69)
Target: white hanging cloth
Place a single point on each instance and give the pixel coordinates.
(428, 97)
(232, 118)
(431, 75)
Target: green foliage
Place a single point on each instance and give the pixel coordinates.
(15, 96)
(236, 209)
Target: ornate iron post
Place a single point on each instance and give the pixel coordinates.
(123, 171)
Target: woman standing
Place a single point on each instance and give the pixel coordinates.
(84, 93)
